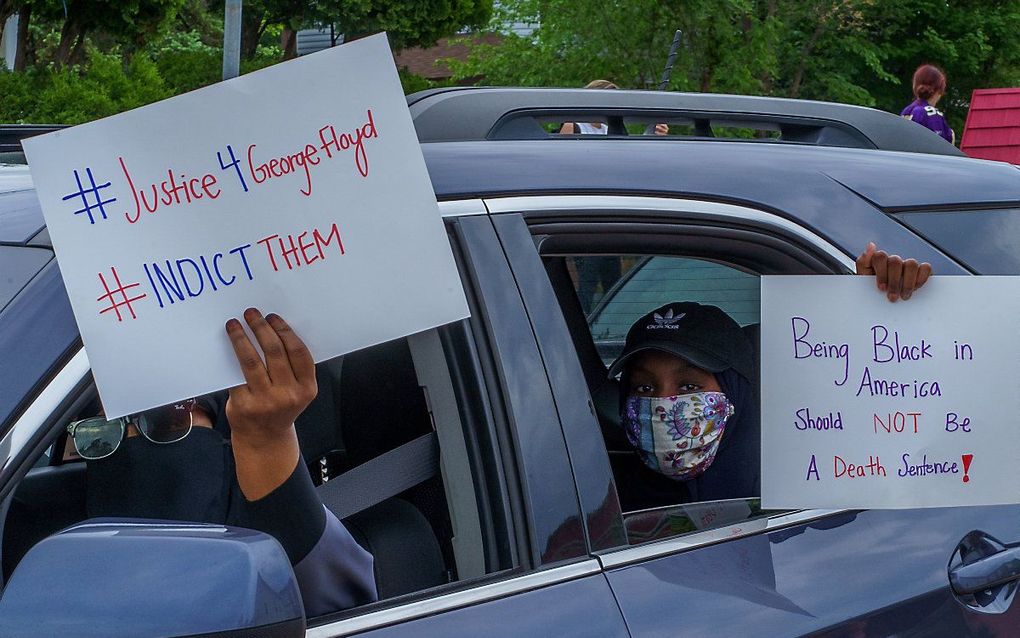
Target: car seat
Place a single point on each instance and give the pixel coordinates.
(369, 403)
(46, 501)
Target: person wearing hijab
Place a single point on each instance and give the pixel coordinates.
(233, 461)
(687, 404)
(929, 87)
(688, 397)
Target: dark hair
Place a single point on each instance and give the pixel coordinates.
(928, 81)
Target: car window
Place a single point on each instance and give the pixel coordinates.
(990, 245)
(369, 403)
(616, 290)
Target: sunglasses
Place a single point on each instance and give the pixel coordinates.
(97, 438)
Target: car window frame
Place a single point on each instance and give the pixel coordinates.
(575, 212)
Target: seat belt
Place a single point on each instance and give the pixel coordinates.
(383, 477)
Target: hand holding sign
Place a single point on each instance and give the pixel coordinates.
(320, 208)
(262, 411)
(895, 276)
(865, 404)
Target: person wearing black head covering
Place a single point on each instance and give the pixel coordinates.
(689, 397)
(238, 463)
(688, 408)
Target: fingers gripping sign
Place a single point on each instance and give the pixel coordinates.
(897, 277)
(262, 411)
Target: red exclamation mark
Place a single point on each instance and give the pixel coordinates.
(967, 458)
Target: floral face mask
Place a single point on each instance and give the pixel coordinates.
(677, 436)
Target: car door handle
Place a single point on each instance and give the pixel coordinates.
(987, 572)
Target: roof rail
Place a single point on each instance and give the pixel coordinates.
(496, 113)
(12, 134)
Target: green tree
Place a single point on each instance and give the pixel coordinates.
(129, 23)
(575, 41)
(407, 22)
(854, 51)
(976, 43)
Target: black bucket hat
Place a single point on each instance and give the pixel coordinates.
(704, 335)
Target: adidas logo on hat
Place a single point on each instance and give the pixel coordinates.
(666, 321)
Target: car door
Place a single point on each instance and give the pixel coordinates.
(559, 588)
(728, 568)
(504, 509)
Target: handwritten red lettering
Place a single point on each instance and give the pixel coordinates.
(208, 182)
(320, 242)
(280, 166)
(304, 248)
(265, 242)
(177, 190)
(294, 251)
(131, 185)
(330, 142)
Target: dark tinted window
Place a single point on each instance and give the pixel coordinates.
(986, 241)
(17, 266)
(615, 291)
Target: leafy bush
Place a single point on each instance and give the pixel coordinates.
(129, 86)
(185, 62)
(65, 97)
(264, 56)
(109, 84)
(184, 70)
(71, 96)
(413, 83)
(19, 97)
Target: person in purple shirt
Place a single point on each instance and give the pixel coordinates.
(929, 87)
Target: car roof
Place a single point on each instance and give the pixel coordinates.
(473, 113)
(735, 170)
(20, 216)
(794, 179)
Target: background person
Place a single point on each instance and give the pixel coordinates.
(248, 474)
(600, 128)
(929, 87)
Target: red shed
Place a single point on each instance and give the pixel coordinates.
(992, 130)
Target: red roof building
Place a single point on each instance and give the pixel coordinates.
(428, 62)
(992, 130)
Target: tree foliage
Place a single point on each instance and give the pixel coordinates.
(127, 23)
(855, 51)
(83, 59)
(64, 96)
(407, 22)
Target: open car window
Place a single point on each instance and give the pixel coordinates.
(432, 536)
(612, 291)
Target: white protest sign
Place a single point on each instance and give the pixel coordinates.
(299, 189)
(871, 404)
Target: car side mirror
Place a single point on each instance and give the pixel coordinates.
(120, 577)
